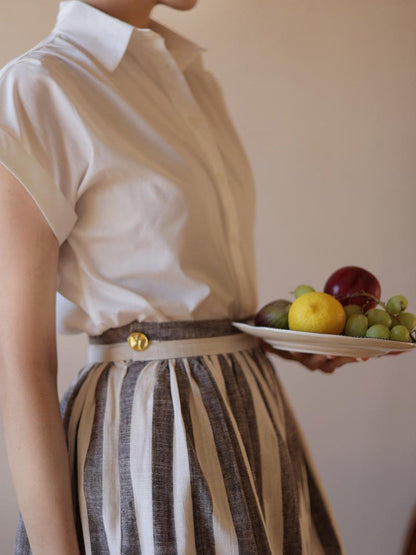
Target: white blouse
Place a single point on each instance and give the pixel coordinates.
(124, 141)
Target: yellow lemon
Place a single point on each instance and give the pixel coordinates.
(318, 313)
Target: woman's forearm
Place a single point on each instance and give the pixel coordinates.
(29, 403)
(38, 460)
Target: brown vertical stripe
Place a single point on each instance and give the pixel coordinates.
(93, 469)
(292, 539)
(242, 406)
(320, 516)
(71, 393)
(321, 519)
(162, 457)
(249, 527)
(130, 541)
(201, 496)
(294, 447)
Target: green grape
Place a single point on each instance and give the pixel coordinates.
(408, 320)
(397, 303)
(301, 289)
(394, 321)
(352, 309)
(356, 325)
(378, 316)
(378, 331)
(400, 333)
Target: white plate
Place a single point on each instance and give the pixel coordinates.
(322, 343)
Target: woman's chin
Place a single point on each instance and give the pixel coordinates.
(179, 4)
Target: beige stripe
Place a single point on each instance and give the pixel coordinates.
(314, 471)
(305, 517)
(270, 464)
(73, 417)
(273, 399)
(218, 376)
(273, 377)
(182, 494)
(305, 521)
(111, 482)
(212, 363)
(310, 540)
(224, 534)
(76, 414)
(141, 454)
(315, 546)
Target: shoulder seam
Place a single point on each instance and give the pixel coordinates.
(24, 56)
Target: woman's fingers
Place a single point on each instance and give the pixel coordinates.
(336, 362)
(266, 346)
(325, 363)
(322, 362)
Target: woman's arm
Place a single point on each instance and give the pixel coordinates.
(29, 402)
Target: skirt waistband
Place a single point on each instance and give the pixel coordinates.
(157, 350)
(163, 340)
(165, 331)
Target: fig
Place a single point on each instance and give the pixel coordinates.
(274, 315)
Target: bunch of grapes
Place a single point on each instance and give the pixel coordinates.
(388, 322)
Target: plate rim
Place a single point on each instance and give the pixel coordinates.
(383, 344)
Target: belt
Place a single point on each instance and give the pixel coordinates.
(164, 340)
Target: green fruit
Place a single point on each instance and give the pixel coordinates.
(397, 303)
(399, 333)
(356, 325)
(301, 289)
(352, 309)
(394, 321)
(274, 315)
(378, 331)
(407, 319)
(378, 316)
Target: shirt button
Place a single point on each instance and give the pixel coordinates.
(138, 341)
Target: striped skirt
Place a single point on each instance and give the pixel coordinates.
(183, 442)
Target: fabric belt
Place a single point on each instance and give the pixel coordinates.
(164, 340)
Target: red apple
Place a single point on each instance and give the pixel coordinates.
(348, 280)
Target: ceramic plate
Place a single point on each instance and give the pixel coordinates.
(324, 344)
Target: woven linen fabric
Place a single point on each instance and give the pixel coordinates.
(191, 455)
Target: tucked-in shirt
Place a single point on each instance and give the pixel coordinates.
(124, 140)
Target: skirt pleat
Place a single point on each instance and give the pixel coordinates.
(190, 455)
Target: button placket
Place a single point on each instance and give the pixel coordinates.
(181, 95)
(228, 201)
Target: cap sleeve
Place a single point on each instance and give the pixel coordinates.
(32, 142)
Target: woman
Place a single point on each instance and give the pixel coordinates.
(179, 434)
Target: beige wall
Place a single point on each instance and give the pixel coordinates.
(324, 97)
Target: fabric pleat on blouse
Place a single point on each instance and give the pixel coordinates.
(195, 455)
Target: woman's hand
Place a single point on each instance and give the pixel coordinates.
(325, 363)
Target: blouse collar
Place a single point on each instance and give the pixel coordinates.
(107, 37)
